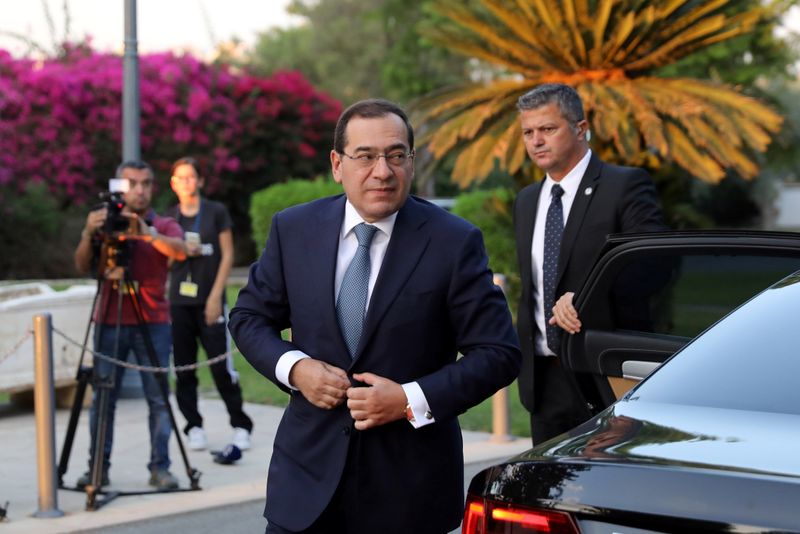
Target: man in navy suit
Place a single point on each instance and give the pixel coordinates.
(589, 199)
(370, 440)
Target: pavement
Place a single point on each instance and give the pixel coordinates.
(222, 485)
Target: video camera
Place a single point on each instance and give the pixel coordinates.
(113, 250)
(114, 202)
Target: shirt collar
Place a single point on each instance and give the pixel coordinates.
(572, 180)
(352, 218)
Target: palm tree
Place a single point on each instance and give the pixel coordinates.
(610, 51)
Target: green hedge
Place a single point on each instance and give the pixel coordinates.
(491, 210)
(269, 201)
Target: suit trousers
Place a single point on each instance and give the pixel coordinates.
(559, 406)
(342, 515)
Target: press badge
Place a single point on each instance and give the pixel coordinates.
(188, 288)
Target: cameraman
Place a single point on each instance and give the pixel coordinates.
(150, 243)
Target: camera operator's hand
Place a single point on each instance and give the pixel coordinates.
(83, 253)
(138, 228)
(171, 247)
(94, 222)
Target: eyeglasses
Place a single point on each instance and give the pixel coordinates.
(184, 178)
(368, 160)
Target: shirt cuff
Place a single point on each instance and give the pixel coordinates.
(285, 364)
(419, 405)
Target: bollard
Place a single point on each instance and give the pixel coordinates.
(500, 425)
(500, 422)
(44, 407)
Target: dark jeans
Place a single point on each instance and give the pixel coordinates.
(131, 339)
(189, 324)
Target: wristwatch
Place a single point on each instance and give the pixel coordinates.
(409, 414)
(153, 233)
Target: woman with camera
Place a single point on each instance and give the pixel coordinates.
(198, 308)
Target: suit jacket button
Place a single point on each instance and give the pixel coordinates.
(346, 431)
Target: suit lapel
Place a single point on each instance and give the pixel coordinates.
(323, 243)
(577, 212)
(529, 205)
(409, 240)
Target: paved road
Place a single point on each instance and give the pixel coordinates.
(243, 518)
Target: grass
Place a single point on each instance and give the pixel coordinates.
(257, 389)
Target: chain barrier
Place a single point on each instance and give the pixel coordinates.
(17, 345)
(146, 368)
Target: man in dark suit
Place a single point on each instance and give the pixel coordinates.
(561, 224)
(381, 291)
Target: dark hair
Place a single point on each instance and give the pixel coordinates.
(370, 109)
(567, 99)
(135, 164)
(186, 160)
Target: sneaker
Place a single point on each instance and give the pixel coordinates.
(197, 438)
(241, 438)
(162, 479)
(86, 479)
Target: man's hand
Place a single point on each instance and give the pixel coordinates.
(383, 402)
(565, 315)
(139, 228)
(94, 221)
(325, 386)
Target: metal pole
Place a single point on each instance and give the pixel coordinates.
(500, 424)
(131, 150)
(500, 421)
(45, 406)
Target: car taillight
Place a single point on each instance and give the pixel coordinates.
(482, 516)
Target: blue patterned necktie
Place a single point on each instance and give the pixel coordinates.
(351, 305)
(553, 228)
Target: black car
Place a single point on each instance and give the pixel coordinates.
(710, 440)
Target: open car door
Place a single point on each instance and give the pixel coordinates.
(648, 295)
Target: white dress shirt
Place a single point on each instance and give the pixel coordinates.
(570, 184)
(348, 243)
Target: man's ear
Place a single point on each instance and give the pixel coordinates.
(336, 166)
(583, 130)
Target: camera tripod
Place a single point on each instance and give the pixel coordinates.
(104, 383)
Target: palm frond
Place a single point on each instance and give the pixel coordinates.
(607, 50)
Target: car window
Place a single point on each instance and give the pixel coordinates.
(748, 361)
(683, 296)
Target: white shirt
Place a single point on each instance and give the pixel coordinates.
(570, 184)
(348, 243)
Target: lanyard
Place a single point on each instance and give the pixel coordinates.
(196, 225)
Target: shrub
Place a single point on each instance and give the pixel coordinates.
(38, 240)
(61, 122)
(492, 211)
(267, 202)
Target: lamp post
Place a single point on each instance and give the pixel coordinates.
(131, 150)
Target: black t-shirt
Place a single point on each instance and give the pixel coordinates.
(213, 219)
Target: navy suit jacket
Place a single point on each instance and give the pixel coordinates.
(610, 199)
(433, 299)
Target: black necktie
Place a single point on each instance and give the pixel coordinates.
(352, 302)
(553, 228)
